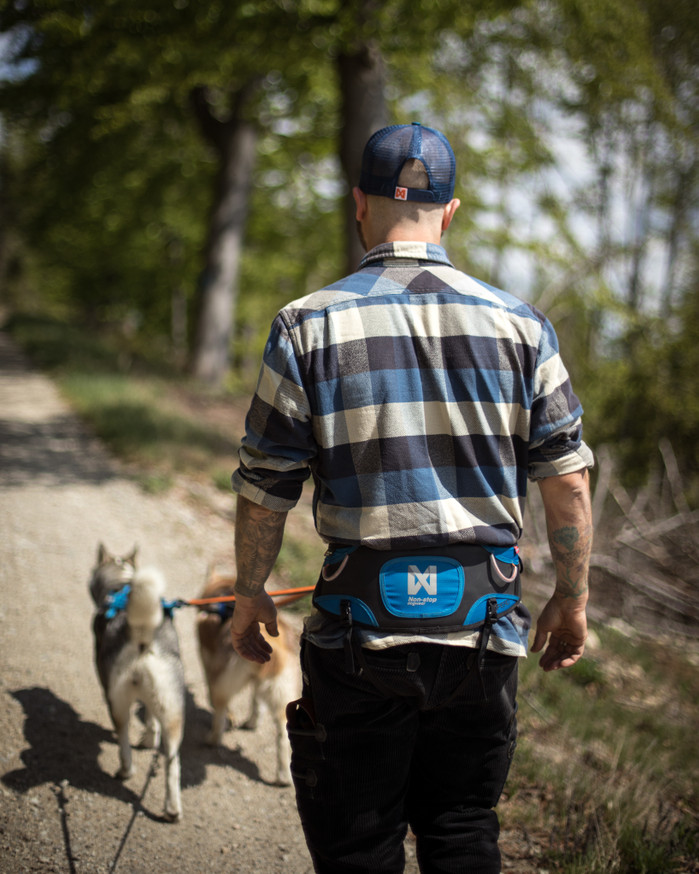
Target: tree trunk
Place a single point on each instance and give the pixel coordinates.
(235, 140)
(364, 111)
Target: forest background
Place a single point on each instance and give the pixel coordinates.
(171, 173)
(177, 171)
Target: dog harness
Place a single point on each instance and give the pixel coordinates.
(116, 601)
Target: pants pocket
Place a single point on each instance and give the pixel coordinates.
(306, 737)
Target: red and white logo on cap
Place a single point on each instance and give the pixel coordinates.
(401, 194)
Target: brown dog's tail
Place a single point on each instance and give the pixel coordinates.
(144, 610)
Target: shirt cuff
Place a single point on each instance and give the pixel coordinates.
(568, 463)
(259, 496)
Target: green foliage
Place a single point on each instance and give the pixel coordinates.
(586, 673)
(155, 483)
(634, 851)
(131, 417)
(648, 391)
(297, 566)
(56, 346)
(574, 125)
(114, 190)
(611, 742)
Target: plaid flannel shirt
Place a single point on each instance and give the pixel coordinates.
(418, 398)
(421, 400)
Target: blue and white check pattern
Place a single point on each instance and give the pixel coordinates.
(419, 399)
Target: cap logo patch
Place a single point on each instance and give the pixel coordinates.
(401, 194)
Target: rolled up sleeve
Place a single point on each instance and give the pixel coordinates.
(278, 446)
(563, 452)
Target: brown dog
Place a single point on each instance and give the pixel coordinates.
(274, 683)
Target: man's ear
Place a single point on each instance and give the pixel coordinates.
(361, 202)
(448, 213)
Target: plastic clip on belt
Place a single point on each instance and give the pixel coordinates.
(346, 615)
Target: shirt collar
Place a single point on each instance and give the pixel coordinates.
(413, 251)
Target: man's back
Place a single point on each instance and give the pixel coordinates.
(421, 388)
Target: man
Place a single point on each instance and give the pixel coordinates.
(420, 400)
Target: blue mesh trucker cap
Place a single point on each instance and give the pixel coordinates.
(389, 148)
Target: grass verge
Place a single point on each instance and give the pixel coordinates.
(131, 402)
(606, 766)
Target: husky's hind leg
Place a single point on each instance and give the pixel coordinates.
(150, 739)
(172, 738)
(219, 723)
(283, 777)
(250, 723)
(121, 712)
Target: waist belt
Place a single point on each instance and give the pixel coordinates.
(442, 589)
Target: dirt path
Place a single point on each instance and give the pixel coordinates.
(61, 810)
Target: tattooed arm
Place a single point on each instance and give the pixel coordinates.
(258, 539)
(569, 523)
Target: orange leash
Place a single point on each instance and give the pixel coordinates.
(293, 593)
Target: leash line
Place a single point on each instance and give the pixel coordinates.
(59, 792)
(117, 601)
(136, 808)
(222, 599)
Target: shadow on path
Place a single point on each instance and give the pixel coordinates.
(63, 747)
(54, 452)
(197, 754)
(48, 444)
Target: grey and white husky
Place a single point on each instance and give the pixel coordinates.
(138, 660)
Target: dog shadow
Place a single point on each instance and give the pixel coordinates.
(63, 748)
(197, 755)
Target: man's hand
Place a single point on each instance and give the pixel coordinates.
(247, 638)
(258, 538)
(565, 626)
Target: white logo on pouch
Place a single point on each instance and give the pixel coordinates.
(418, 580)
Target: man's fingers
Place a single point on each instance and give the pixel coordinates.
(560, 654)
(539, 640)
(249, 616)
(251, 653)
(251, 645)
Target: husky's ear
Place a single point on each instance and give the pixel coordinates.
(132, 558)
(103, 555)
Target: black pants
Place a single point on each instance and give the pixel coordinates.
(420, 738)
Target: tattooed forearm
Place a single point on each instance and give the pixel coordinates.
(570, 550)
(258, 539)
(569, 526)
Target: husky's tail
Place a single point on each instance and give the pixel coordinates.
(144, 610)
